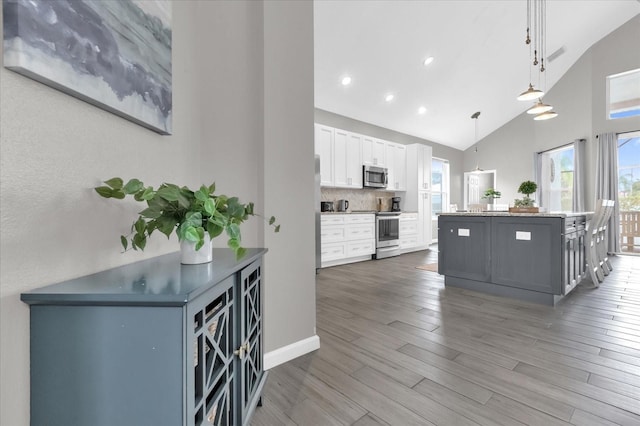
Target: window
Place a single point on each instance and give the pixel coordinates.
(556, 179)
(629, 190)
(439, 187)
(623, 94)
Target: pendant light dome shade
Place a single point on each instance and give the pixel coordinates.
(539, 108)
(530, 94)
(546, 116)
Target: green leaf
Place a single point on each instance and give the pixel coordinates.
(124, 242)
(115, 183)
(140, 226)
(277, 228)
(234, 208)
(191, 234)
(104, 191)
(148, 194)
(117, 193)
(212, 188)
(169, 193)
(214, 229)
(209, 206)
(184, 201)
(133, 186)
(233, 230)
(139, 241)
(166, 225)
(193, 219)
(249, 209)
(202, 194)
(151, 212)
(199, 245)
(240, 251)
(233, 244)
(272, 219)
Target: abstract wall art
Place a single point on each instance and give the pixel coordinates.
(114, 54)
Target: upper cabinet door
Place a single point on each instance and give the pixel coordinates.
(424, 172)
(400, 167)
(340, 172)
(324, 148)
(373, 152)
(354, 160)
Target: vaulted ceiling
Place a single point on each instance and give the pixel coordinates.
(481, 62)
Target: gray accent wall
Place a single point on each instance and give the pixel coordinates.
(580, 100)
(236, 121)
(455, 156)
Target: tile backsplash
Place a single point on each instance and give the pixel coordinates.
(359, 199)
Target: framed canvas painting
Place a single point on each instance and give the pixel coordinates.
(113, 54)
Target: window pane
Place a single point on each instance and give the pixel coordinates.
(436, 204)
(629, 191)
(624, 94)
(436, 175)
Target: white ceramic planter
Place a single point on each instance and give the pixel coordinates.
(190, 256)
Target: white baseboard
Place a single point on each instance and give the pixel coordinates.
(289, 352)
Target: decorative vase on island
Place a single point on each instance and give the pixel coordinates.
(190, 256)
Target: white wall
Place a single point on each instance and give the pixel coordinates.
(54, 149)
(579, 99)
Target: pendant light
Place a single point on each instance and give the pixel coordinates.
(539, 107)
(475, 116)
(535, 39)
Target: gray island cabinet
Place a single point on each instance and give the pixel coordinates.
(534, 257)
(150, 343)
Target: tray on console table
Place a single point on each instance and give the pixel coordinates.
(153, 342)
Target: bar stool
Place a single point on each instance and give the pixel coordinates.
(591, 242)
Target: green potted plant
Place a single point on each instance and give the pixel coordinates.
(197, 217)
(491, 194)
(526, 203)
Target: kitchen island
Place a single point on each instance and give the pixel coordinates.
(537, 257)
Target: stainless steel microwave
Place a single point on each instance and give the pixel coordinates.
(374, 177)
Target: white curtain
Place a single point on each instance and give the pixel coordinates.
(607, 183)
(578, 174)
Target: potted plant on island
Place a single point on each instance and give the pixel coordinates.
(525, 205)
(197, 217)
(491, 194)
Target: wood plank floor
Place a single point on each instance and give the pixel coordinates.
(397, 348)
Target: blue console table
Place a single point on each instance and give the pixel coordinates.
(150, 343)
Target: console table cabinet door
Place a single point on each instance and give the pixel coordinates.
(210, 370)
(249, 351)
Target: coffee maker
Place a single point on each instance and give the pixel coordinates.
(395, 204)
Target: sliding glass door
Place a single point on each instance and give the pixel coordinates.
(629, 191)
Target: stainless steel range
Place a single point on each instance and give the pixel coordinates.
(387, 234)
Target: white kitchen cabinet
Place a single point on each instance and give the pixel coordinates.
(324, 147)
(347, 161)
(396, 155)
(373, 152)
(346, 238)
(408, 231)
(417, 197)
(340, 157)
(424, 219)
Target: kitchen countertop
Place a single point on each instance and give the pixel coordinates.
(549, 214)
(352, 212)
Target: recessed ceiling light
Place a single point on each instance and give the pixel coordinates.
(389, 97)
(346, 80)
(422, 110)
(428, 61)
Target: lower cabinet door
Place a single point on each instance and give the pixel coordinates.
(249, 352)
(467, 243)
(361, 248)
(210, 368)
(333, 251)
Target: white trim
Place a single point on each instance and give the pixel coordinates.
(289, 352)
